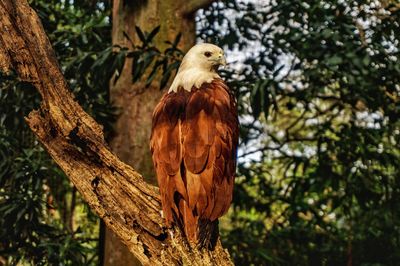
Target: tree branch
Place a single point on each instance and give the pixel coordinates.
(116, 192)
(191, 6)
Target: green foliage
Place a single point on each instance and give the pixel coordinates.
(319, 102)
(43, 220)
(148, 59)
(30, 230)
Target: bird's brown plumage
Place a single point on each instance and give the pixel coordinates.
(193, 142)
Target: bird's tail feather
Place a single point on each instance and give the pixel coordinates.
(207, 233)
(189, 221)
(201, 233)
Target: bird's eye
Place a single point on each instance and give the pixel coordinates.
(207, 54)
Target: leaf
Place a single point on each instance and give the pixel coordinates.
(153, 72)
(128, 37)
(164, 80)
(148, 59)
(334, 60)
(277, 71)
(177, 39)
(137, 70)
(118, 63)
(141, 35)
(366, 60)
(256, 100)
(265, 96)
(103, 56)
(167, 73)
(21, 213)
(152, 34)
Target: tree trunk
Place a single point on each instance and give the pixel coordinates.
(114, 190)
(134, 102)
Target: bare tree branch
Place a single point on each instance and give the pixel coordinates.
(115, 191)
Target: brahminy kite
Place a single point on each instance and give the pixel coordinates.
(193, 142)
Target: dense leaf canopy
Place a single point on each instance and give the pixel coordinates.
(319, 99)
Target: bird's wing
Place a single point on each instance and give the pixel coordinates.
(210, 137)
(165, 145)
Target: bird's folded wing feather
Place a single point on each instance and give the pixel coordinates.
(194, 140)
(210, 133)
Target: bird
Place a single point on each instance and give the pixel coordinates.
(193, 142)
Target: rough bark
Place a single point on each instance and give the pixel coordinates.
(115, 191)
(135, 102)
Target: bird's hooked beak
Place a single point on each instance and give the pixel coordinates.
(221, 59)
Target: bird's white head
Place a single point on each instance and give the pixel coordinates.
(199, 65)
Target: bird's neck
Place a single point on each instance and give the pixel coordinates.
(193, 77)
